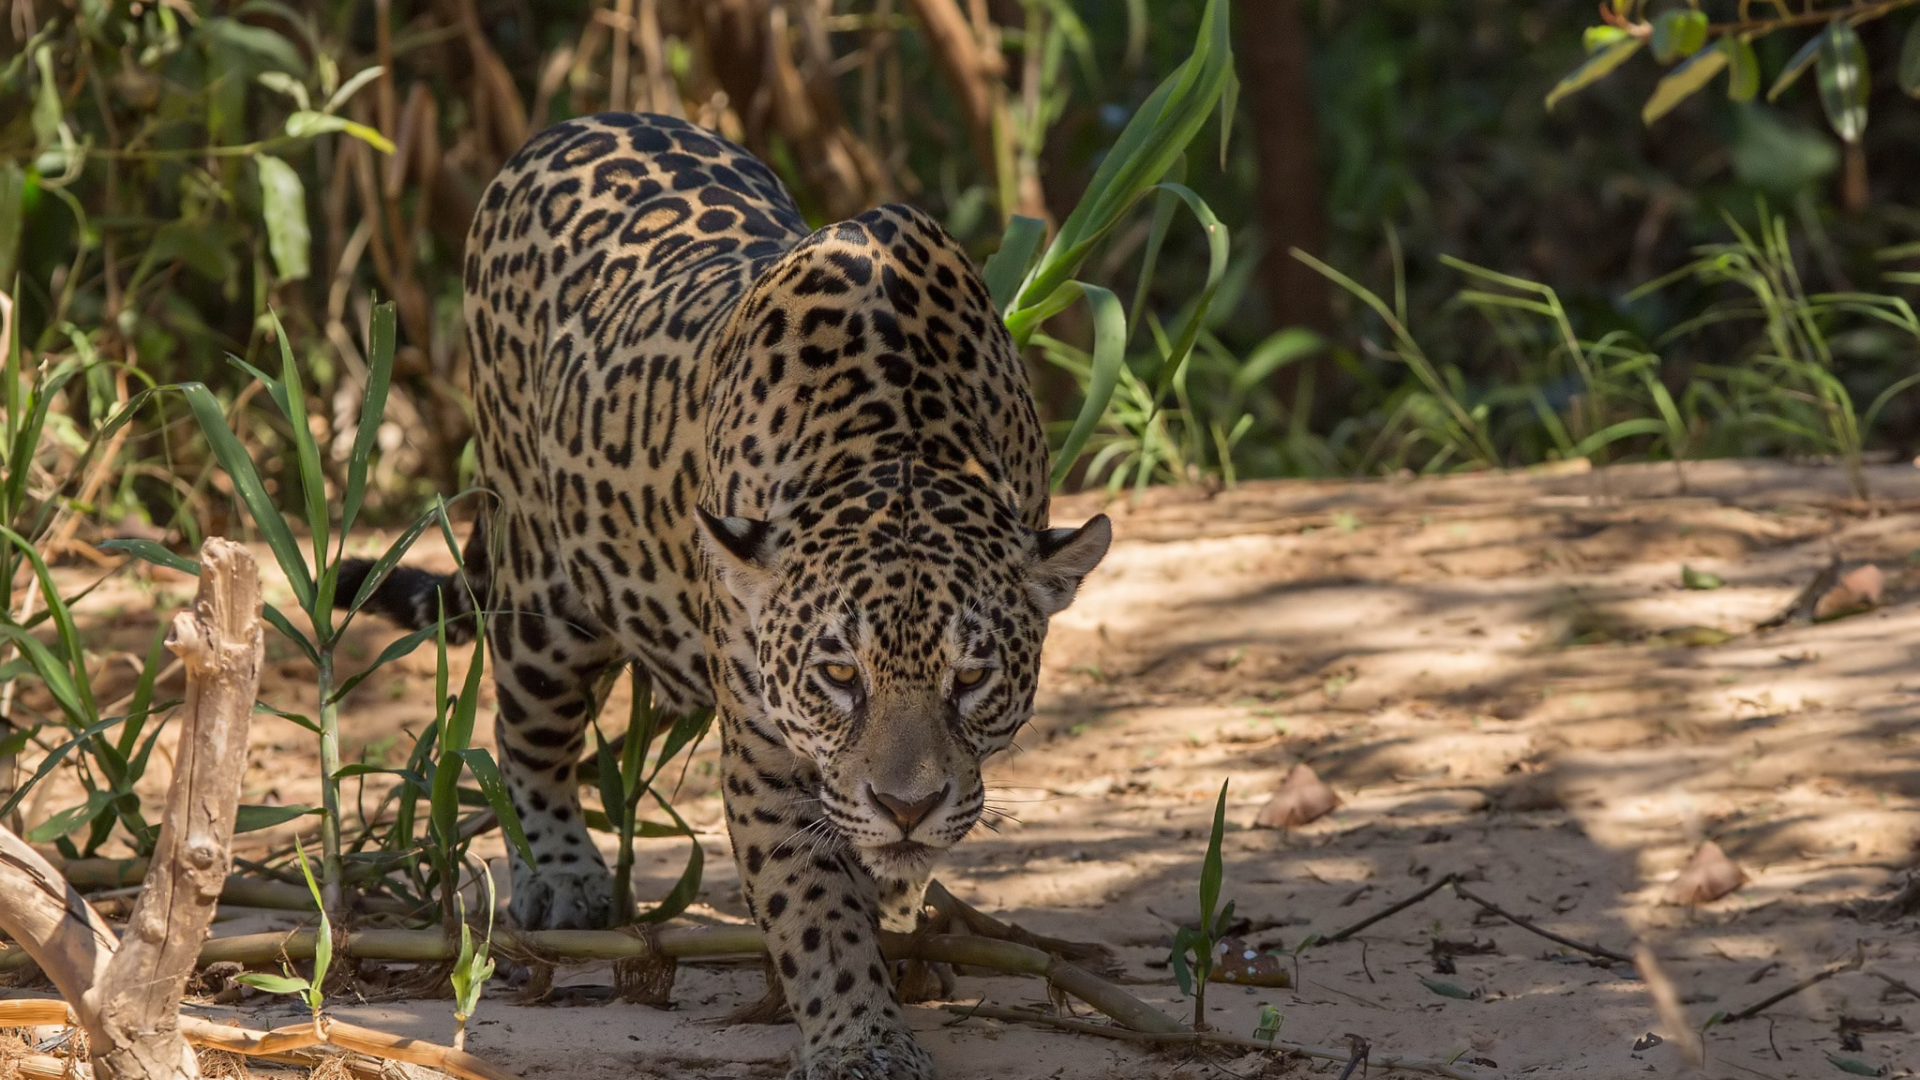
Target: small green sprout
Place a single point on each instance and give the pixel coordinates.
(1270, 1021)
(1199, 943)
(472, 970)
(309, 990)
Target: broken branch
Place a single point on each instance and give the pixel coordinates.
(1206, 1038)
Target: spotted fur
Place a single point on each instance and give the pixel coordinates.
(797, 477)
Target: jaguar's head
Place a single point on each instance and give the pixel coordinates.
(898, 617)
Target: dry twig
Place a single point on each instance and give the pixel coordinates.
(1209, 1038)
(1526, 924)
(1395, 909)
(1850, 964)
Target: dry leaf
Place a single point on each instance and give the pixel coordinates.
(1302, 797)
(1709, 876)
(1236, 962)
(1859, 590)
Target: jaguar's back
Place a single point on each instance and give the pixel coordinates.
(603, 263)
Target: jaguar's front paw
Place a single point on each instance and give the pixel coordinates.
(884, 1055)
(580, 898)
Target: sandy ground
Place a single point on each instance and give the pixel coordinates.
(1496, 676)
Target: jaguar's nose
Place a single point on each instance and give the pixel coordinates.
(906, 813)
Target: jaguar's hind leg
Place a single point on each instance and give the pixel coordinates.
(550, 665)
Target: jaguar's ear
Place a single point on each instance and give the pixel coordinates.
(743, 550)
(1066, 556)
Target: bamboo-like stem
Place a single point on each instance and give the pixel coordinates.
(1208, 1038)
(692, 943)
(332, 872)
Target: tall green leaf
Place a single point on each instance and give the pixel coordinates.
(1842, 75)
(1743, 68)
(283, 205)
(1909, 69)
(1109, 349)
(373, 406)
(1008, 265)
(1678, 32)
(1683, 82)
(234, 459)
(1597, 67)
(313, 482)
(1798, 63)
(1152, 141)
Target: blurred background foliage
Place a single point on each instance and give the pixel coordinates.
(171, 169)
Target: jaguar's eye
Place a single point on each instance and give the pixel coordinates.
(840, 674)
(966, 678)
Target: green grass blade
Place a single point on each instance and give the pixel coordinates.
(1156, 136)
(1164, 204)
(1006, 267)
(487, 775)
(398, 648)
(234, 459)
(1211, 871)
(613, 789)
(1597, 67)
(686, 730)
(687, 889)
(313, 482)
(1109, 348)
(69, 636)
(373, 405)
(254, 818)
(279, 621)
(1218, 256)
(155, 553)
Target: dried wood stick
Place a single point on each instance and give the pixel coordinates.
(137, 998)
(1815, 979)
(1208, 1038)
(686, 943)
(1895, 983)
(50, 922)
(1527, 924)
(278, 1042)
(1443, 882)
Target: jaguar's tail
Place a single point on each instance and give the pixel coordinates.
(414, 598)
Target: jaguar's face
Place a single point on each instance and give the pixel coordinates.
(898, 635)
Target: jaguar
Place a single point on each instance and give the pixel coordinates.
(795, 476)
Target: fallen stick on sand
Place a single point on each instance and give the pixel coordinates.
(1208, 1038)
(280, 1042)
(1526, 924)
(1850, 964)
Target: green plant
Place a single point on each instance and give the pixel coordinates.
(1270, 1021)
(472, 968)
(314, 588)
(1791, 383)
(1699, 50)
(1457, 432)
(625, 779)
(311, 990)
(42, 463)
(1028, 290)
(1194, 946)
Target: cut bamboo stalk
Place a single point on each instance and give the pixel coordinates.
(691, 943)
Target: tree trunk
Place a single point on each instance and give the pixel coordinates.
(1276, 85)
